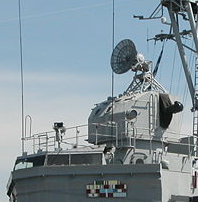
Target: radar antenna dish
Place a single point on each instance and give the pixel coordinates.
(123, 56)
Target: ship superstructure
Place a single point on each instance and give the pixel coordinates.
(134, 150)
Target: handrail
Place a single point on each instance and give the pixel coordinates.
(28, 117)
(46, 141)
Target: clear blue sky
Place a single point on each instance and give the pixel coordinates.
(67, 46)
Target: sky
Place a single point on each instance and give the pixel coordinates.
(67, 46)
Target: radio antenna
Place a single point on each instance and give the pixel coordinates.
(112, 74)
(21, 70)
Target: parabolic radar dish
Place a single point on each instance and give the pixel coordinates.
(123, 56)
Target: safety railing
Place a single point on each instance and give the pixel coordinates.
(76, 136)
(46, 141)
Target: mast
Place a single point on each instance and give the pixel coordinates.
(181, 7)
(176, 7)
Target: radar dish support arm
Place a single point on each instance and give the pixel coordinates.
(183, 57)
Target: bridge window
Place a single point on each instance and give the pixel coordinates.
(29, 162)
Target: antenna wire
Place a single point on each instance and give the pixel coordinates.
(112, 74)
(22, 83)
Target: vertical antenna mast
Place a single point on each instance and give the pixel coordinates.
(21, 68)
(112, 74)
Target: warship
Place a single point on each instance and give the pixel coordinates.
(134, 149)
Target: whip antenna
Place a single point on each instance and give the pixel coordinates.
(112, 74)
(21, 70)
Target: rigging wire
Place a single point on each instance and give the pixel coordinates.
(158, 61)
(160, 72)
(22, 79)
(185, 90)
(174, 57)
(56, 12)
(191, 64)
(178, 84)
(154, 47)
(160, 69)
(180, 70)
(184, 101)
(147, 40)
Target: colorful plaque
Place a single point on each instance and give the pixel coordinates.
(106, 189)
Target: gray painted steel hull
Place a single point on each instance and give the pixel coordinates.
(68, 183)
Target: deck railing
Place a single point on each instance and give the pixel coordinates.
(77, 136)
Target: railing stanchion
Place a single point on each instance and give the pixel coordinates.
(77, 133)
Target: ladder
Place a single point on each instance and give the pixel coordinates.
(151, 114)
(195, 113)
(151, 120)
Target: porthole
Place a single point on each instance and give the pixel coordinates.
(139, 161)
(131, 114)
